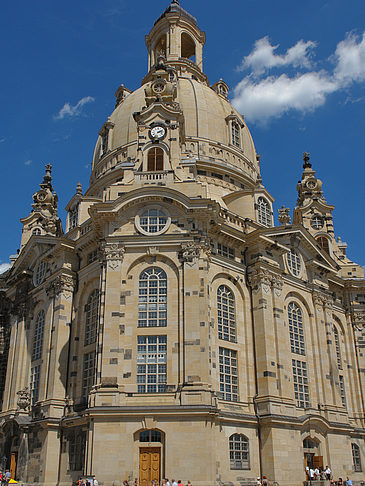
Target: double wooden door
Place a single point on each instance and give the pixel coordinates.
(149, 466)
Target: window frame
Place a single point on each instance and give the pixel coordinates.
(300, 383)
(296, 329)
(38, 335)
(35, 380)
(294, 262)
(73, 217)
(140, 226)
(88, 374)
(228, 374)
(356, 458)
(152, 299)
(244, 463)
(235, 134)
(92, 318)
(151, 362)
(227, 325)
(264, 212)
(158, 160)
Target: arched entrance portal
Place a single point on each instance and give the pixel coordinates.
(312, 455)
(151, 456)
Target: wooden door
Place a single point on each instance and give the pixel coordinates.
(149, 466)
(13, 465)
(318, 462)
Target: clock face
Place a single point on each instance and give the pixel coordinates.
(158, 132)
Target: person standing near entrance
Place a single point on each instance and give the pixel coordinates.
(348, 482)
(174, 483)
(328, 472)
(7, 476)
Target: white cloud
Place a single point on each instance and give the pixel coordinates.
(350, 59)
(69, 110)
(2, 139)
(274, 96)
(4, 267)
(263, 56)
(27, 162)
(261, 98)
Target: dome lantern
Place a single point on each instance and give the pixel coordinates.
(177, 37)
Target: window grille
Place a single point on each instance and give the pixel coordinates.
(317, 222)
(40, 273)
(239, 453)
(34, 383)
(226, 314)
(225, 251)
(73, 217)
(91, 321)
(296, 329)
(38, 336)
(152, 364)
(153, 221)
(342, 391)
(88, 373)
(236, 134)
(155, 160)
(264, 212)
(338, 348)
(356, 458)
(294, 262)
(150, 436)
(152, 306)
(323, 243)
(76, 450)
(300, 379)
(228, 375)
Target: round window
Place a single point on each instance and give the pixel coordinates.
(294, 262)
(40, 273)
(317, 222)
(153, 221)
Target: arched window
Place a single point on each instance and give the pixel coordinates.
(73, 217)
(356, 458)
(187, 47)
(236, 134)
(226, 314)
(294, 262)
(38, 336)
(152, 305)
(323, 243)
(91, 323)
(264, 212)
(153, 220)
(296, 329)
(239, 453)
(338, 348)
(155, 160)
(309, 444)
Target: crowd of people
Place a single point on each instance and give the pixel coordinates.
(318, 473)
(5, 477)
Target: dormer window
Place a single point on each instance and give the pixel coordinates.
(73, 217)
(264, 212)
(236, 134)
(105, 137)
(323, 243)
(155, 160)
(317, 222)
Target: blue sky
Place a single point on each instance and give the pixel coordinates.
(296, 71)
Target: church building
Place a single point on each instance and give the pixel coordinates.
(171, 329)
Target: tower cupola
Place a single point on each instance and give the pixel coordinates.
(177, 37)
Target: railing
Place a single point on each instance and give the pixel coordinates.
(154, 177)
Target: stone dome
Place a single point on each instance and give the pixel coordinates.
(206, 123)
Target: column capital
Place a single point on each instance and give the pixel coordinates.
(61, 284)
(113, 255)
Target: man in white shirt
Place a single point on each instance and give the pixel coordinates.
(328, 472)
(174, 483)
